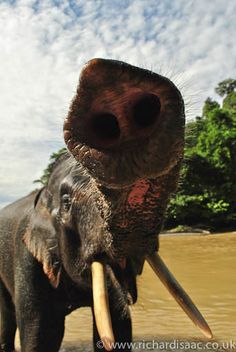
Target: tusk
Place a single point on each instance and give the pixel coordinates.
(178, 293)
(101, 306)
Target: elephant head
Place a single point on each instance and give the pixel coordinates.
(103, 207)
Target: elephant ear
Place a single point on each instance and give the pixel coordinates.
(41, 239)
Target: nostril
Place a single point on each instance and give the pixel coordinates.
(105, 126)
(146, 110)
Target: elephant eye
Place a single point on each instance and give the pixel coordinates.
(66, 202)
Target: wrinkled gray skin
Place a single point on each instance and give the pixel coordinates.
(104, 200)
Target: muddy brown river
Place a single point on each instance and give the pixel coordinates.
(206, 268)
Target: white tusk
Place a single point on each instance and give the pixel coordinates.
(101, 306)
(175, 289)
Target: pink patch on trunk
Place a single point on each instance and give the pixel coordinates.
(137, 194)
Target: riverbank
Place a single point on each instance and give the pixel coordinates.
(196, 233)
(200, 229)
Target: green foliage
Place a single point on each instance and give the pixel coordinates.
(207, 192)
(226, 87)
(229, 102)
(209, 106)
(46, 173)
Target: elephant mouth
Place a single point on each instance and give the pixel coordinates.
(101, 298)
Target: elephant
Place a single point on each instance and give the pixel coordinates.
(83, 238)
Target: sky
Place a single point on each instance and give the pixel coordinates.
(44, 44)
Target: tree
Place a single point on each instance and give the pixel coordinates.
(209, 106)
(207, 191)
(46, 173)
(229, 102)
(226, 87)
